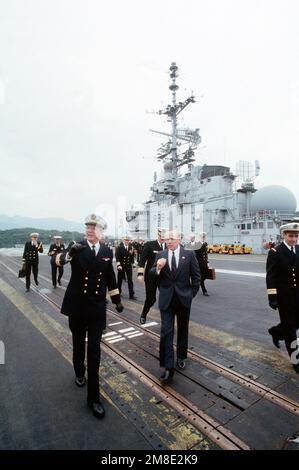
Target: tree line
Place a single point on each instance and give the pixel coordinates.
(18, 236)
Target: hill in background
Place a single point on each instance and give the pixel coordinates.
(7, 222)
(18, 236)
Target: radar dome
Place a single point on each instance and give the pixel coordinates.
(273, 198)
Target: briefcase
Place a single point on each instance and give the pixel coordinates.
(22, 272)
(211, 274)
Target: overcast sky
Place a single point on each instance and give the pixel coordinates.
(78, 77)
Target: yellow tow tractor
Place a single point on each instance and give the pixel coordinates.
(235, 249)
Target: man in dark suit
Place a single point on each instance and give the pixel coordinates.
(283, 289)
(146, 262)
(85, 304)
(178, 275)
(30, 258)
(56, 248)
(124, 255)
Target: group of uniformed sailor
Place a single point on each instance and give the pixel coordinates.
(92, 274)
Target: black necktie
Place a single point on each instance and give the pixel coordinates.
(93, 250)
(173, 264)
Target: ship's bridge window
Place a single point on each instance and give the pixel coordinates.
(243, 226)
(261, 224)
(248, 226)
(270, 224)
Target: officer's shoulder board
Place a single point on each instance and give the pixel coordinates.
(273, 249)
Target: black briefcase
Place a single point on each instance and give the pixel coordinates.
(211, 274)
(22, 272)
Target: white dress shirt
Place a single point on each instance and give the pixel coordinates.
(291, 248)
(96, 245)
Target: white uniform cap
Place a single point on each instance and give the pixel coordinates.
(57, 237)
(94, 219)
(292, 227)
(34, 234)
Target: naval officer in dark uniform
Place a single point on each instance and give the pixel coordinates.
(85, 304)
(283, 288)
(124, 255)
(202, 258)
(56, 248)
(146, 262)
(30, 258)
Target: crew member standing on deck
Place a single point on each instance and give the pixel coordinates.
(283, 287)
(202, 258)
(30, 258)
(85, 304)
(179, 276)
(146, 262)
(124, 255)
(56, 248)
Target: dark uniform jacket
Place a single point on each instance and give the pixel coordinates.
(147, 257)
(90, 278)
(124, 257)
(202, 257)
(185, 283)
(283, 277)
(55, 250)
(31, 251)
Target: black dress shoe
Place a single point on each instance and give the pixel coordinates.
(142, 319)
(133, 297)
(296, 368)
(97, 409)
(181, 364)
(166, 376)
(59, 283)
(80, 381)
(274, 339)
(205, 294)
(28, 289)
(36, 283)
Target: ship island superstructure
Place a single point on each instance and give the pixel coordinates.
(208, 198)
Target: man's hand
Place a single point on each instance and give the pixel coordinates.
(140, 279)
(75, 249)
(119, 268)
(119, 307)
(273, 302)
(161, 263)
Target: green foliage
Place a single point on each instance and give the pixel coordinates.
(18, 236)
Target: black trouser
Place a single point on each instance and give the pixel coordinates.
(125, 271)
(28, 267)
(150, 294)
(54, 268)
(289, 319)
(203, 276)
(167, 332)
(78, 326)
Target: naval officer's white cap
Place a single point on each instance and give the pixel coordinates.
(57, 237)
(34, 234)
(291, 227)
(94, 219)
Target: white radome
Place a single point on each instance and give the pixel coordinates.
(273, 198)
